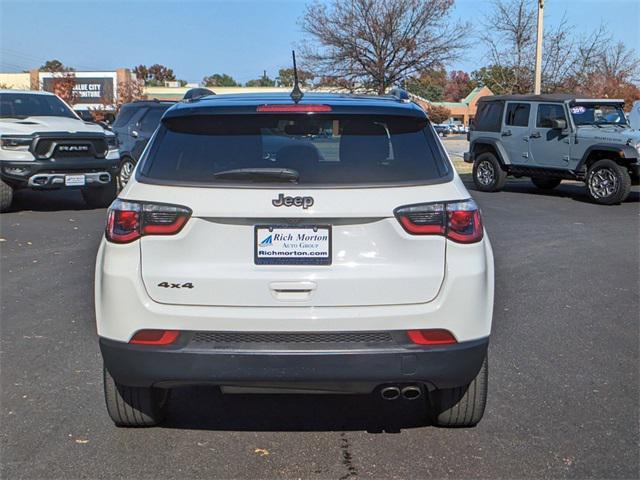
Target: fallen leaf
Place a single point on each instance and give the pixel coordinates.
(261, 451)
(81, 440)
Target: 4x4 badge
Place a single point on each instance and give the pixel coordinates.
(304, 202)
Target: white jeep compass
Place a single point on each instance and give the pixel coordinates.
(323, 246)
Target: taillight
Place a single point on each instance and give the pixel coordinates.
(432, 336)
(458, 221)
(128, 221)
(154, 337)
(295, 108)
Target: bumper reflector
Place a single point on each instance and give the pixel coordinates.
(154, 337)
(434, 336)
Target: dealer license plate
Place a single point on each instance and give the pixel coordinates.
(74, 180)
(284, 245)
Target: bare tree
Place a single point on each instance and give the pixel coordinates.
(509, 34)
(374, 44)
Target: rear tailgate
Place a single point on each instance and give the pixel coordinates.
(373, 260)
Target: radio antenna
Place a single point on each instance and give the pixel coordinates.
(296, 93)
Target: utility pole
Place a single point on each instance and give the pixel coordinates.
(538, 75)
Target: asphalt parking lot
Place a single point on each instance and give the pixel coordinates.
(564, 366)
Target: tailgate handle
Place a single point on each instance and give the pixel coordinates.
(292, 291)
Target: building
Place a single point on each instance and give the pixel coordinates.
(176, 93)
(462, 111)
(95, 90)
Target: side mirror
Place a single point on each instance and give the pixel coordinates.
(559, 124)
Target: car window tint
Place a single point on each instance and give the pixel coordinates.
(547, 113)
(151, 120)
(124, 116)
(489, 116)
(323, 149)
(23, 105)
(517, 114)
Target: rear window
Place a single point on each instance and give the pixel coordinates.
(124, 116)
(321, 149)
(489, 116)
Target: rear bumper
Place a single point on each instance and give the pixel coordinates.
(326, 370)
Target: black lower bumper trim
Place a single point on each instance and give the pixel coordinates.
(332, 370)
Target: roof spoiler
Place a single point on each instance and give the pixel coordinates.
(196, 93)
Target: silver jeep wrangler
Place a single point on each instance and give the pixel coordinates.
(551, 138)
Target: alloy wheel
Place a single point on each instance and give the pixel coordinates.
(485, 173)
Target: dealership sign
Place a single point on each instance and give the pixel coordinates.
(87, 90)
(90, 90)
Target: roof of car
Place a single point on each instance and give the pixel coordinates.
(341, 102)
(32, 92)
(549, 97)
(150, 103)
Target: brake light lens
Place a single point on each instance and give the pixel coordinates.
(458, 221)
(311, 108)
(154, 337)
(432, 336)
(128, 221)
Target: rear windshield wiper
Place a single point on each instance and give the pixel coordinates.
(259, 174)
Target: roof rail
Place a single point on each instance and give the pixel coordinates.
(400, 93)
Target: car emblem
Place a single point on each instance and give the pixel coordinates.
(304, 202)
(73, 148)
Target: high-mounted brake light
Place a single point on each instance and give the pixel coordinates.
(297, 108)
(154, 337)
(458, 221)
(128, 221)
(432, 336)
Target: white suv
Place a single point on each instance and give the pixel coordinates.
(324, 246)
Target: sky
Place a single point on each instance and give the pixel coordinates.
(241, 38)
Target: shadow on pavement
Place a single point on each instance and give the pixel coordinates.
(205, 408)
(48, 201)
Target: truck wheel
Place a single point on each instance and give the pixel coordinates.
(488, 174)
(126, 169)
(461, 406)
(100, 197)
(6, 196)
(546, 183)
(134, 406)
(607, 182)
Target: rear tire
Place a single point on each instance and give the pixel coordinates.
(461, 406)
(100, 197)
(488, 174)
(546, 183)
(607, 182)
(134, 406)
(6, 196)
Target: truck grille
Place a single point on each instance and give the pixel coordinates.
(72, 146)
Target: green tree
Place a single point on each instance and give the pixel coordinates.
(55, 66)
(219, 80)
(263, 81)
(155, 75)
(499, 79)
(285, 77)
(429, 84)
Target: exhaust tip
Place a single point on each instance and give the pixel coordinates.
(411, 393)
(390, 393)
